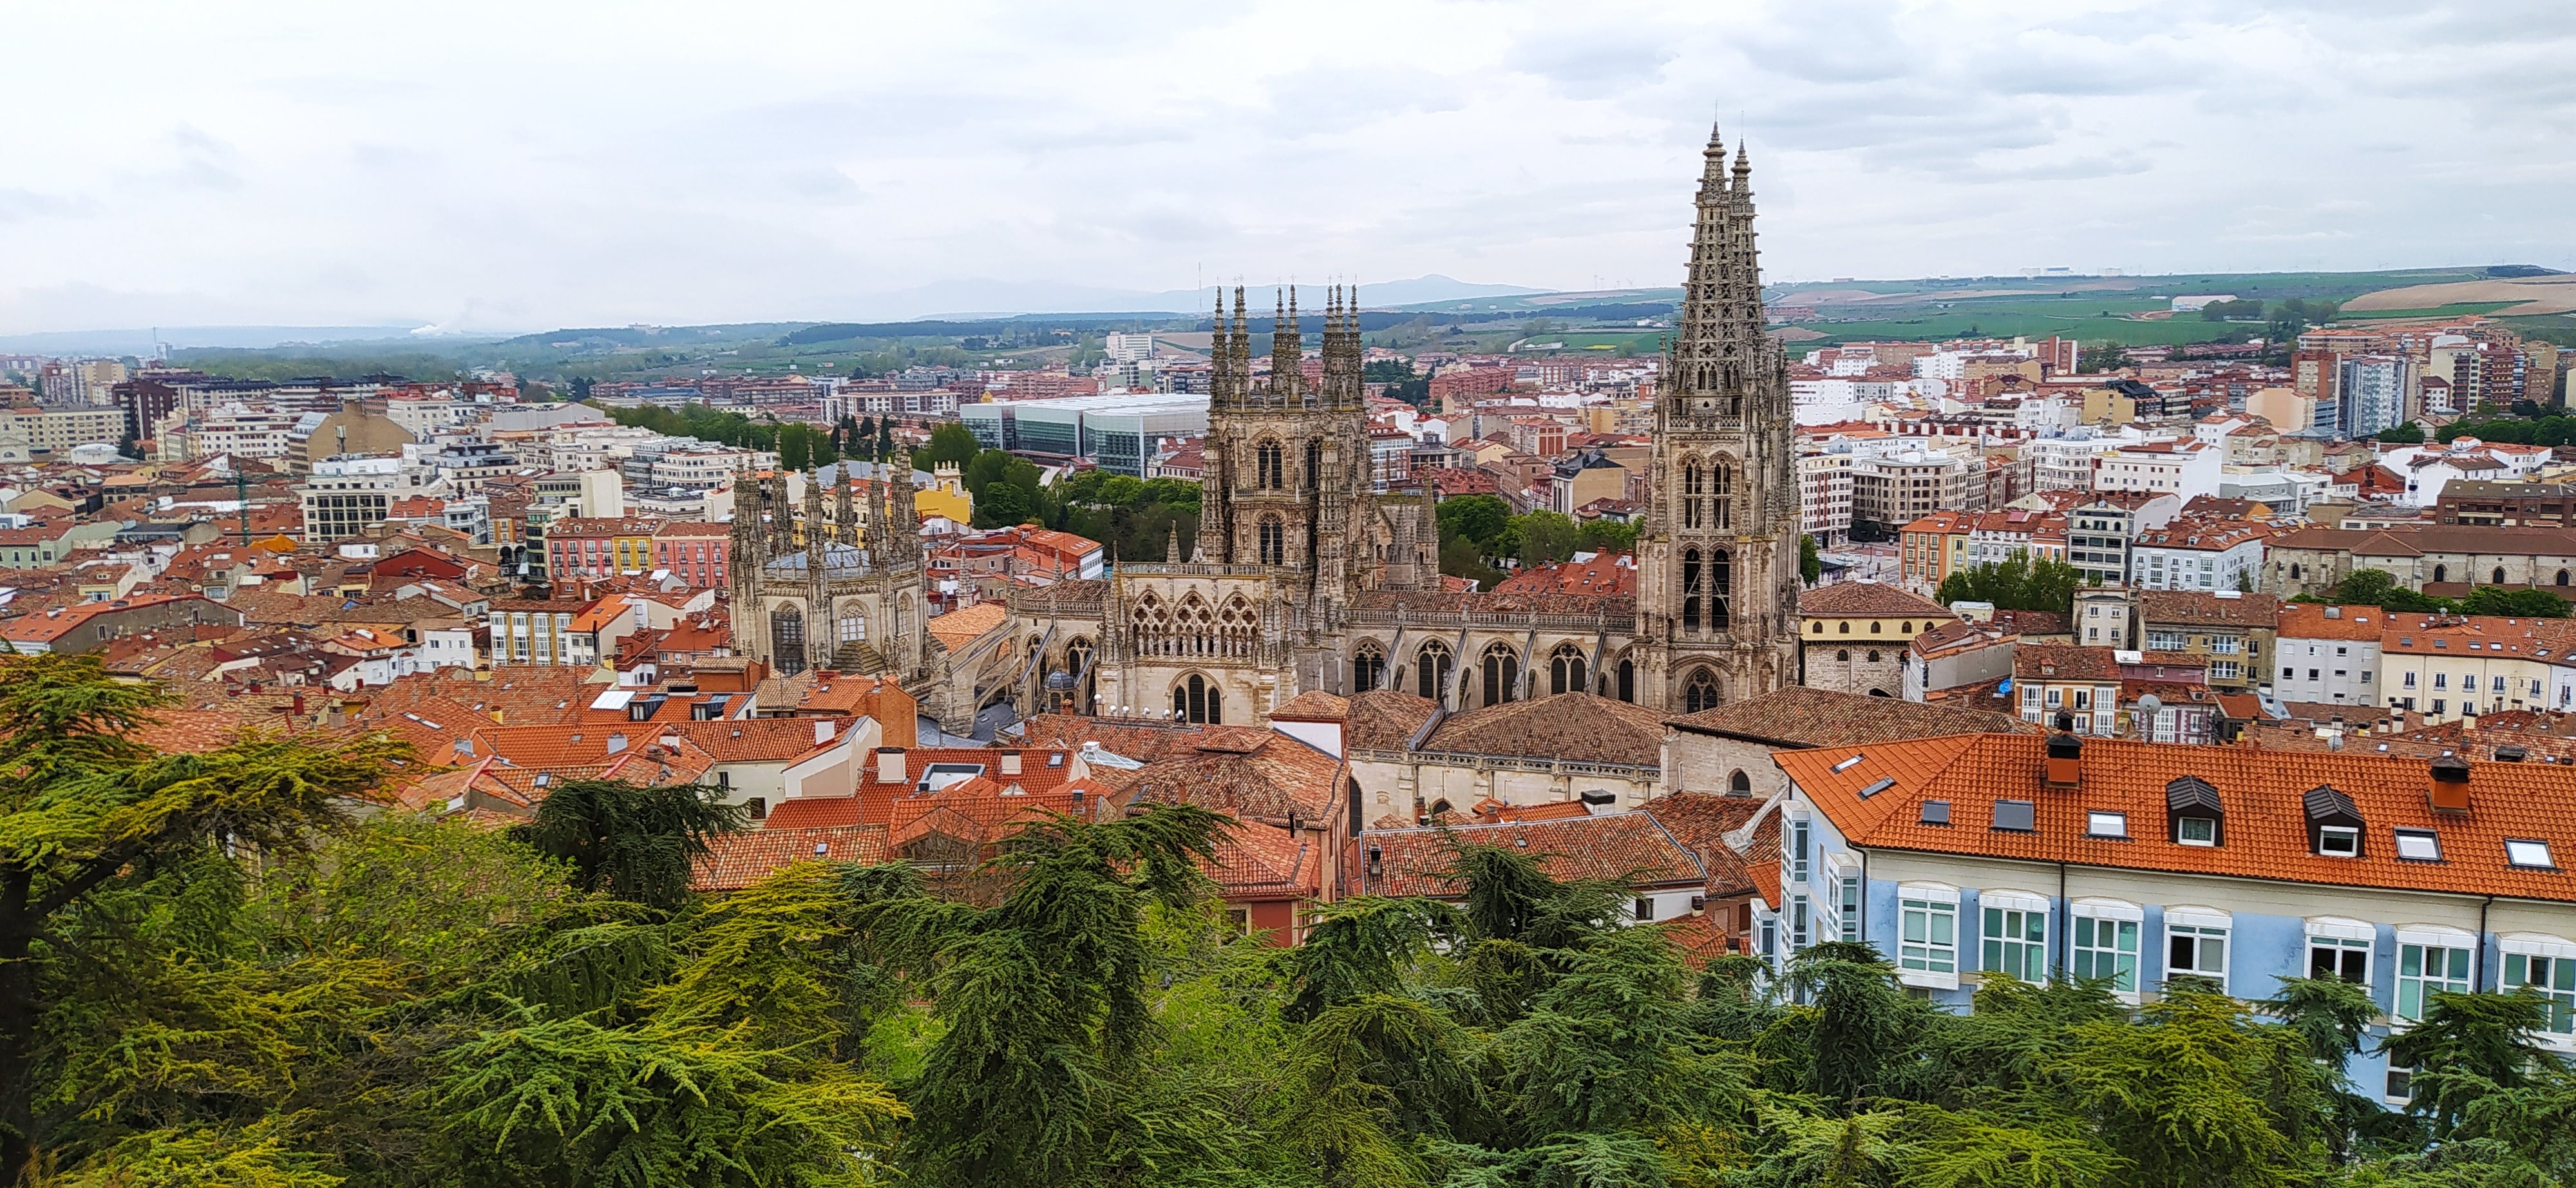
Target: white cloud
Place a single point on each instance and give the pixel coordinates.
(525, 166)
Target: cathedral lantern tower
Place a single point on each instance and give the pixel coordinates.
(1718, 560)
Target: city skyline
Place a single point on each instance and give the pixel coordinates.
(475, 176)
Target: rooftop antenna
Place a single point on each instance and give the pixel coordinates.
(241, 497)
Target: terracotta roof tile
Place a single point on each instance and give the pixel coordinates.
(2260, 794)
(1313, 705)
(739, 860)
(1629, 846)
(2202, 608)
(1803, 717)
(1253, 774)
(1385, 719)
(1844, 599)
(1580, 727)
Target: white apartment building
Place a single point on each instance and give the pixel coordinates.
(2328, 655)
(241, 431)
(346, 495)
(1899, 488)
(2479, 666)
(2066, 463)
(426, 416)
(61, 428)
(1825, 497)
(2186, 468)
(1129, 348)
(2197, 555)
(704, 466)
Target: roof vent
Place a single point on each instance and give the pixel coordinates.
(2511, 754)
(2065, 766)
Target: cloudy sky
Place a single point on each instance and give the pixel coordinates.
(530, 165)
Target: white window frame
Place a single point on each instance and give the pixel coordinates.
(2022, 956)
(2206, 925)
(2420, 942)
(2342, 935)
(2120, 916)
(2347, 836)
(2519, 953)
(1928, 962)
(1847, 906)
(2106, 823)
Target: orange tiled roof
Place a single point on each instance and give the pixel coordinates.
(2301, 620)
(739, 860)
(1628, 846)
(1802, 717)
(1867, 598)
(2260, 792)
(1245, 771)
(1581, 727)
(1263, 862)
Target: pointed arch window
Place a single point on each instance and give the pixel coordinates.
(1431, 668)
(1690, 590)
(1269, 466)
(1721, 567)
(1502, 665)
(787, 640)
(1565, 670)
(1628, 679)
(1700, 691)
(1722, 492)
(1368, 668)
(854, 624)
(1199, 700)
(1313, 478)
(1694, 485)
(1274, 541)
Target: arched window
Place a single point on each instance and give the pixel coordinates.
(1152, 624)
(1876, 627)
(1627, 679)
(1700, 691)
(1565, 670)
(1873, 655)
(1909, 629)
(1721, 578)
(1844, 628)
(2441, 573)
(1194, 628)
(1431, 668)
(1816, 628)
(1722, 513)
(1739, 784)
(2499, 575)
(1314, 465)
(1694, 486)
(854, 624)
(1269, 466)
(1274, 541)
(787, 640)
(1690, 590)
(1199, 700)
(1368, 668)
(1502, 666)
(1077, 662)
(1236, 627)
(1842, 655)
(2562, 577)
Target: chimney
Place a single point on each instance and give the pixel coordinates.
(1010, 763)
(2449, 791)
(2065, 766)
(822, 731)
(296, 705)
(890, 765)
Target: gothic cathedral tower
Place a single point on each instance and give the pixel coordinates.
(1287, 476)
(1718, 582)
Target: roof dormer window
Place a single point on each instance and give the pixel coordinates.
(2339, 841)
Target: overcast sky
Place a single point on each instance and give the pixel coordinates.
(538, 164)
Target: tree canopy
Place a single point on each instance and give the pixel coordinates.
(226, 976)
(2017, 582)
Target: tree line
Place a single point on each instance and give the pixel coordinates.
(221, 974)
(2375, 587)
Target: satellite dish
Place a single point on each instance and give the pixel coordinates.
(2150, 704)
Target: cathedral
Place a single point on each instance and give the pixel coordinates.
(1302, 577)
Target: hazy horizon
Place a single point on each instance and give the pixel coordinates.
(514, 168)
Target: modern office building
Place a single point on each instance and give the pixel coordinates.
(1116, 430)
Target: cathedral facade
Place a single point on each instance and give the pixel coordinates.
(1301, 578)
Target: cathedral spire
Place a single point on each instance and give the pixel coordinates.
(1218, 355)
(1287, 344)
(1712, 178)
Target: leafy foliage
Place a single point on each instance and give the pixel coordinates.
(404, 1002)
(2017, 582)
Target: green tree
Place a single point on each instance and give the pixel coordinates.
(87, 814)
(2528, 604)
(2015, 583)
(1608, 536)
(1478, 519)
(2410, 433)
(951, 444)
(2099, 357)
(2200, 1093)
(1811, 565)
(634, 842)
(1546, 537)
(1460, 558)
(2467, 1046)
